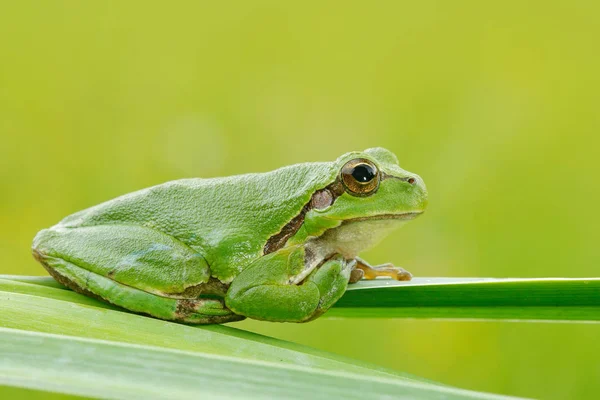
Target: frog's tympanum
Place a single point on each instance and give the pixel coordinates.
(275, 246)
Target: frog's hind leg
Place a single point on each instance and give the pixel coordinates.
(136, 268)
(192, 311)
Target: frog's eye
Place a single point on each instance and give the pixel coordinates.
(360, 177)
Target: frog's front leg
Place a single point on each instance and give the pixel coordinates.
(372, 272)
(266, 290)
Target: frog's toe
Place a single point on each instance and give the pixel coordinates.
(397, 273)
(356, 275)
(402, 275)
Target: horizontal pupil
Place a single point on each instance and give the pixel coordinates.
(363, 173)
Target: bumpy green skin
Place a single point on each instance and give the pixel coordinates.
(192, 250)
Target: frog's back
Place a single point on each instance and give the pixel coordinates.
(227, 220)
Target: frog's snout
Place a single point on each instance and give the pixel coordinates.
(420, 190)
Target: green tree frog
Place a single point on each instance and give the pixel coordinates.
(275, 246)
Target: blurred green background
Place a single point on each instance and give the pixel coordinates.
(496, 106)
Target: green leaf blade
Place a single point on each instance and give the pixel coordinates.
(55, 340)
(96, 368)
(551, 299)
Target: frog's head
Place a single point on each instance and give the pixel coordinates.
(371, 191)
(371, 184)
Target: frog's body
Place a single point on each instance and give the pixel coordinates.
(276, 246)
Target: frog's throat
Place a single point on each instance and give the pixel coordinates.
(407, 216)
(355, 235)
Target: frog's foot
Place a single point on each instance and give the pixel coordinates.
(192, 311)
(370, 272)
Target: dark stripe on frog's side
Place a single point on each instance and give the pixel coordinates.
(212, 288)
(279, 240)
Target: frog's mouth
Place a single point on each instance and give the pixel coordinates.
(407, 216)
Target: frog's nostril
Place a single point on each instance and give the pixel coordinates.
(412, 181)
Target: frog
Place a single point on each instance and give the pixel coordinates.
(279, 246)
